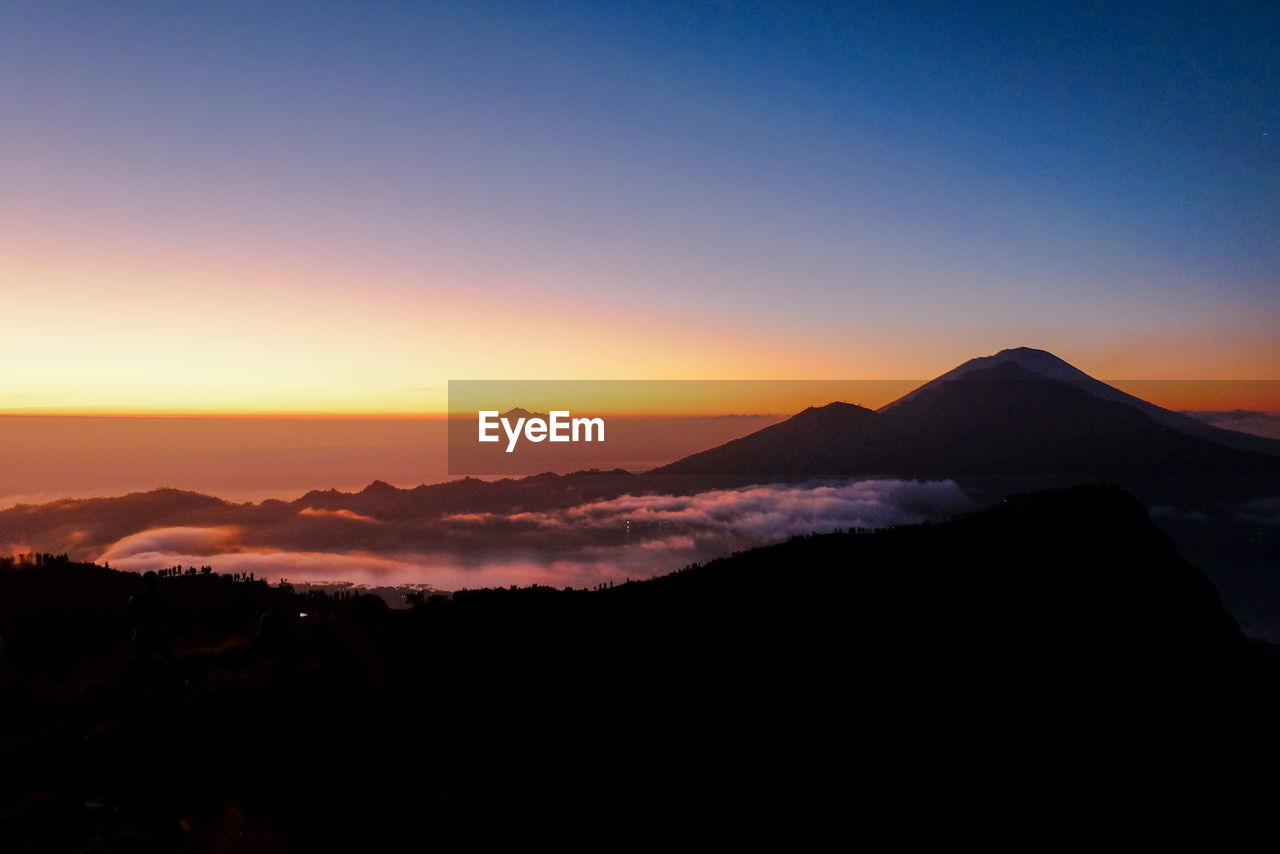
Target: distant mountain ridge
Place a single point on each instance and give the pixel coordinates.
(521, 412)
(84, 527)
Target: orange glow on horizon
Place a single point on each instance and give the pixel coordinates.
(1176, 395)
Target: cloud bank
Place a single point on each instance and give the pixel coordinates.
(632, 536)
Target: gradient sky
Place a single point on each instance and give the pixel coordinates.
(339, 207)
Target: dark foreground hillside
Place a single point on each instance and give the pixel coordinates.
(1051, 657)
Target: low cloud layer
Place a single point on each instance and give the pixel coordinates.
(349, 515)
(632, 536)
(150, 545)
(767, 513)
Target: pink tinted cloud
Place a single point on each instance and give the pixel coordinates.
(343, 513)
(159, 541)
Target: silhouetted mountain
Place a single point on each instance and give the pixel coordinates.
(378, 487)
(1008, 419)
(1053, 645)
(520, 412)
(992, 416)
(1046, 364)
(472, 495)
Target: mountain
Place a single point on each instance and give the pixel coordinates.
(1069, 572)
(521, 412)
(1045, 364)
(1020, 412)
(1012, 660)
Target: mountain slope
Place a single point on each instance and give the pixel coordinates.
(798, 446)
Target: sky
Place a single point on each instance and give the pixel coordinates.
(339, 207)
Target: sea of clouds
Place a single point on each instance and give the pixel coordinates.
(631, 536)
